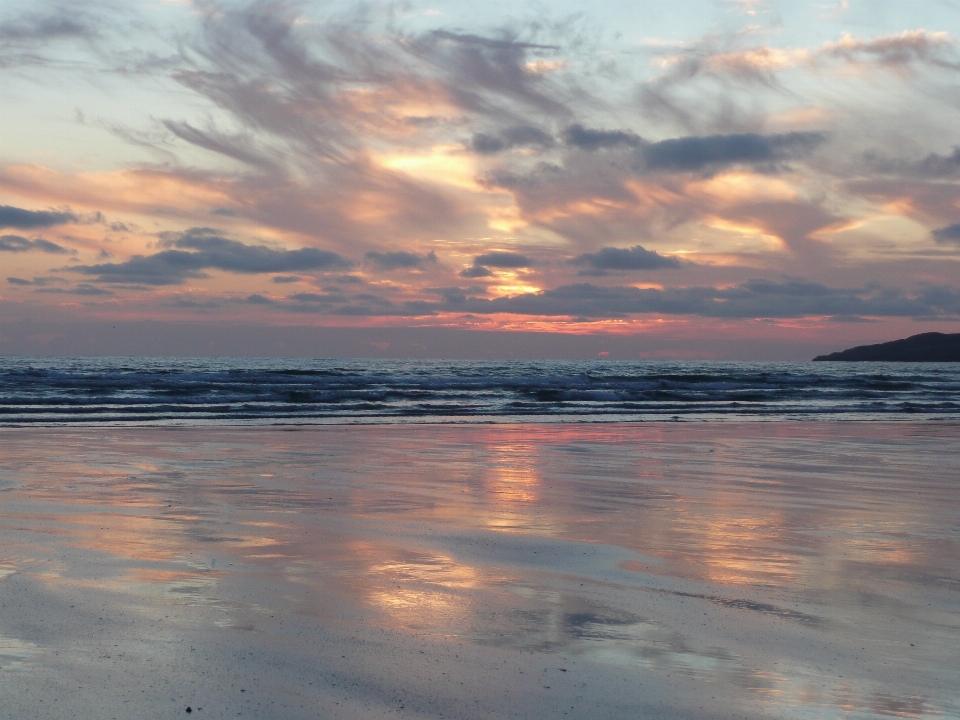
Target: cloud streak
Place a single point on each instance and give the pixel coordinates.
(399, 260)
(753, 299)
(14, 217)
(18, 244)
(200, 249)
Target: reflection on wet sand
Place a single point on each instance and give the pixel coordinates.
(776, 569)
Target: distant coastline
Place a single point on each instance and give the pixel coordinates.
(926, 347)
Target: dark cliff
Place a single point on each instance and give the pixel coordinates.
(926, 347)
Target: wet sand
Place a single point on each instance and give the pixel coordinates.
(595, 571)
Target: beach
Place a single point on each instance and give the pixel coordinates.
(605, 570)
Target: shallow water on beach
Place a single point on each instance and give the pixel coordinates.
(656, 570)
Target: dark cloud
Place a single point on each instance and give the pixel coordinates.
(790, 298)
(285, 278)
(455, 295)
(587, 139)
(14, 217)
(36, 282)
(522, 136)
(348, 279)
(189, 303)
(316, 297)
(15, 243)
(81, 289)
(400, 260)
(697, 153)
(483, 263)
(948, 234)
(258, 299)
(933, 166)
(209, 250)
(43, 28)
(504, 260)
(635, 258)
(476, 271)
(753, 299)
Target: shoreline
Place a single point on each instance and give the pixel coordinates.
(460, 421)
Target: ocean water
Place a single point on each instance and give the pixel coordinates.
(230, 391)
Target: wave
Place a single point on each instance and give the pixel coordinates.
(161, 391)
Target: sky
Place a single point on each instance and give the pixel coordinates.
(715, 179)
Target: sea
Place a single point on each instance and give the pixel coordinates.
(157, 391)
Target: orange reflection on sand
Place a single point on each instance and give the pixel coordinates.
(512, 486)
(137, 537)
(743, 550)
(416, 589)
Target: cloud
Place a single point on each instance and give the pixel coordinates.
(36, 282)
(896, 50)
(14, 217)
(15, 243)
(209, 250)
(635, 258)
(81, 289)
(285, 279)
(697, 153)
(242, 147)
(718, 56)
(948, 234)
(258, 299)
(483, 263)
(326, 88)
(42, 29)
(23, 38)
(399, 260)
(481, 72)
(522, 136)
(455, 295)
(796, 223)
(476, 271)
(189, 303)
(588, 139)
(934, 165)
(504, 260)
(752, 299)
(789, 298)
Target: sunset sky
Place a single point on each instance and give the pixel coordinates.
(686, 179)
